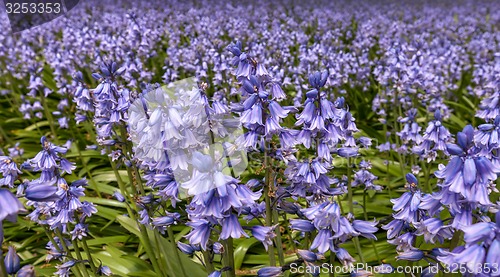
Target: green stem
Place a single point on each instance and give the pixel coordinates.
(279, 243)
(68, 252)
(94, 185)
(46, 110)
(144, 234)
(332, 263)
(267, 198)
(349, 187)
(229, 257)
(351, 208)
(208, 262)
(52, 239)
(80, 259)
(89, 257)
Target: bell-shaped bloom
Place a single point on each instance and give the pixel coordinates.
(231, 228)
(26, 271)
(9, 206)
(270, 271)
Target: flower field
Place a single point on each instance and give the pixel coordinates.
(265, 138)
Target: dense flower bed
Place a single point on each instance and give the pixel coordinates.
(220, 138)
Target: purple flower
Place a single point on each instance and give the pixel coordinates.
(9, 170)
(435, 138)
(264, 234)
(468, 172)
(411, 255)
(12, 261)
(200, 232)
(26, 271)
(307, 255)
(301, 225)
(231, 228)
(42, 193)
(9, 206)
(270, 271)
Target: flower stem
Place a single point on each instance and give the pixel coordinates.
(68, 252)
(332, 263)
(89, 257)
(351, 208)
(80, 264)
(50, 119)
(229, 257)
(144, 235)
(208, 261)
(279, 243)
(267, 198)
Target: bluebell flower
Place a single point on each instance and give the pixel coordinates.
(218, 248)
(468, 173)
(79, 231)
(185, 248)
(26, 271)
(215, 274)
(433, 229)
(118, 196)
(104, 270)
(264, 234)
(231, 228)
(12, 261)
(9, 206)
(323, 241)
(9, 171)
(410, 133)
(344, 257)
(200, 232)
(307, 255)
(487, 135)
(411, 255)
(63, 270)
(301, 225)
(271, 271)
(365, 177)
(434, 140)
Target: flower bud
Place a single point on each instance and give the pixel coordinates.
(12, 261)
